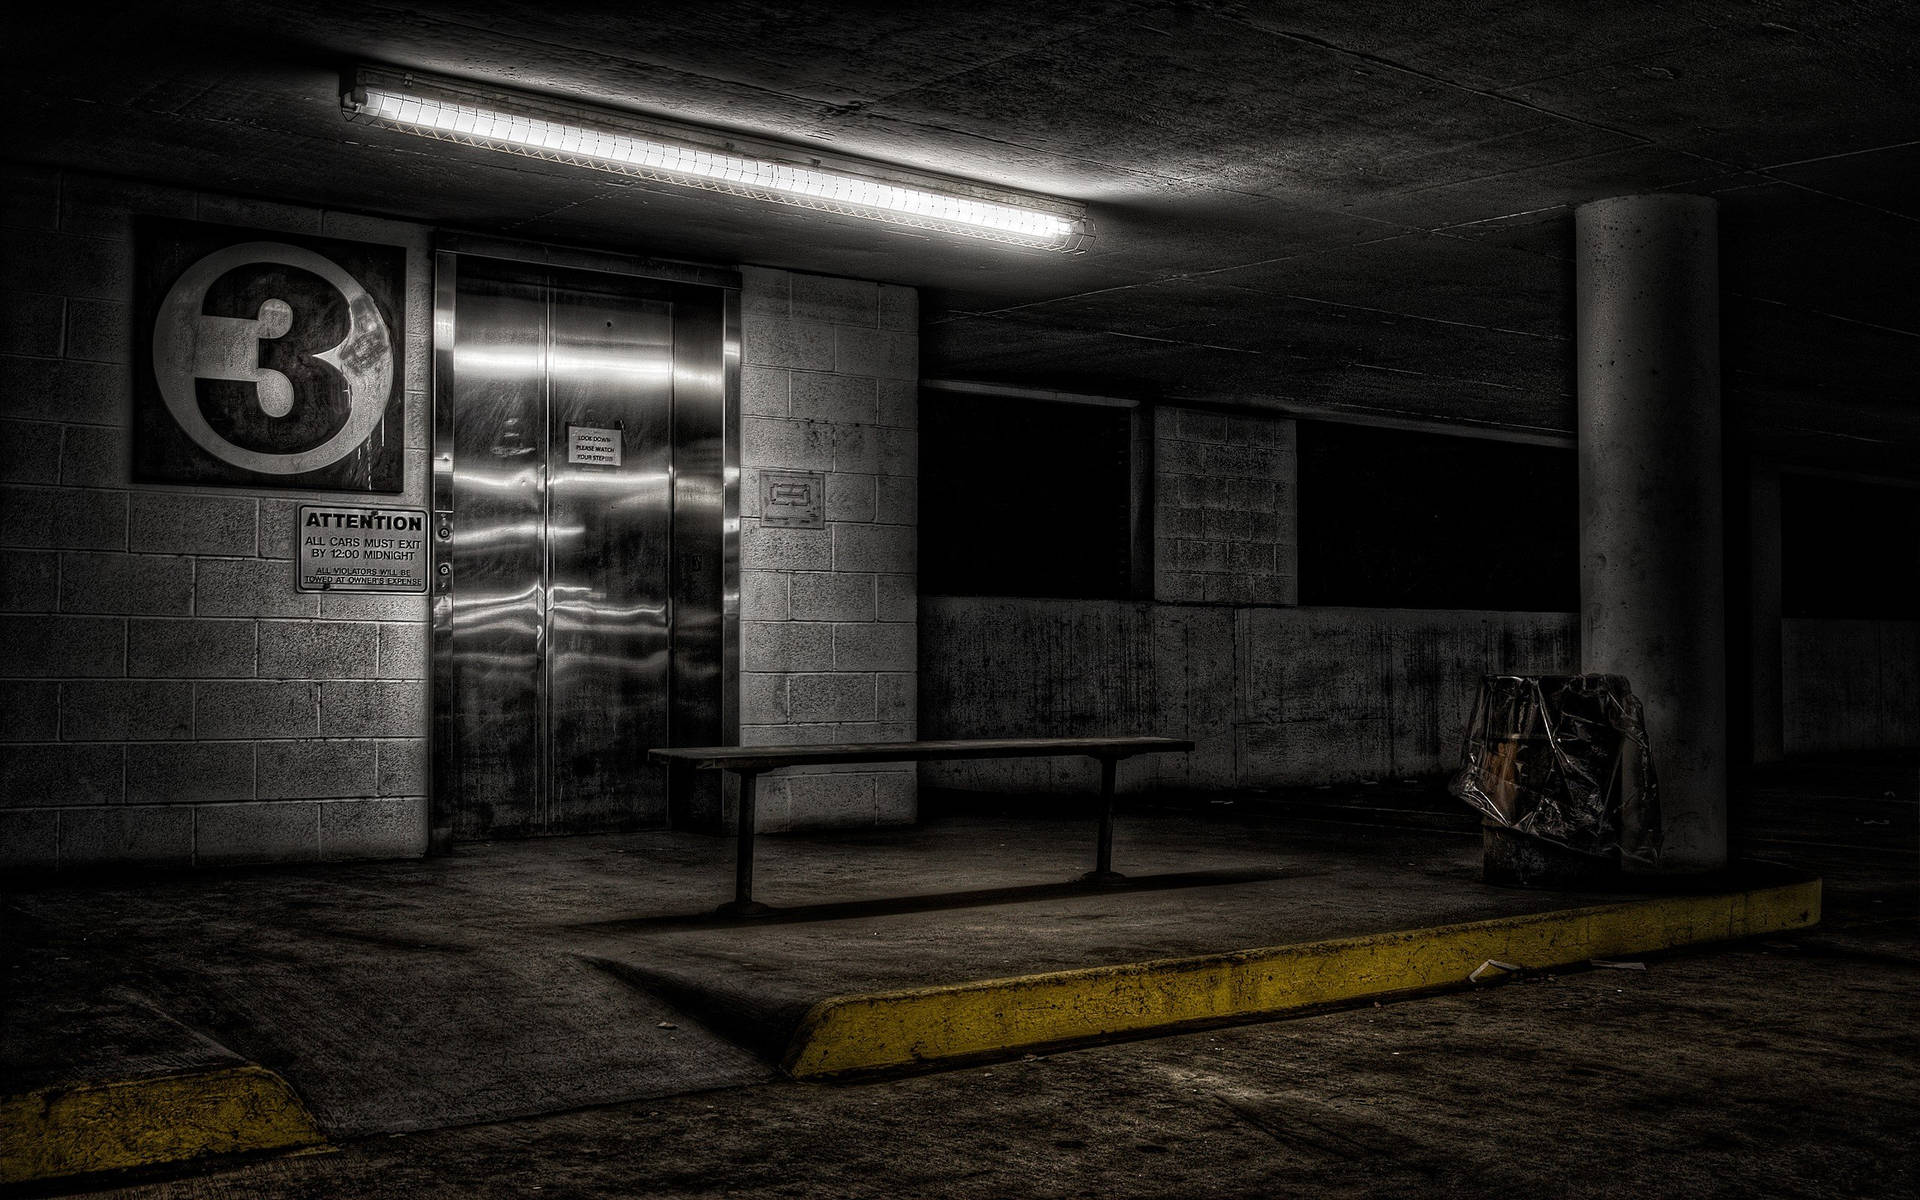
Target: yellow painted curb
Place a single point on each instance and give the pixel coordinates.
(894, 1029)
(79, 1129)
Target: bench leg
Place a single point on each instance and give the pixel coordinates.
(743, 903)
(1103, 873)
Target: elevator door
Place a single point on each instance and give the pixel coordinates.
(556, 672)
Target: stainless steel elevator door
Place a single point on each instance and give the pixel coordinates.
(557, 675)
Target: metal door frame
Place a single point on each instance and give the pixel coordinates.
(449, 249)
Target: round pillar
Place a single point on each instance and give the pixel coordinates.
(1652, 603)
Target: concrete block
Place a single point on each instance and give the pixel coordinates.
(159, 835)
(126, 710)
(318, 650)
(99, 331)
(764, 392)
(135, 584)
(256, 709)
(1254, 559)
(94, 456)
(1192, 555)
(785, 549)
(386, 828)
(52, 389)
(249, 587)
(763, 699)
(29, 838)
(276, 535)
(883, 354)
(842, 301)
(403, 651)
(899, 308)
(189, 648)
(29, 197)
(42, 775)
(257, 214)
(765, 291)
(1256, 494)
(896, 797)
(770, 341)
(101, 207)
(847, 399)
(62, 647)
(898, 403)
(29, 580)
(370, 606)
(791, 444)
(63, 518)
(189, 772)
(785, 646)
(874, 647)
(1251, 430)
(1196, 426)
(404, 766)
(856, 450)
(830, 697)
(1171, 522)
(881, 548)
(32, 709)
(896, 697)
(315, 768)
(175, 523)
(897, 451)
(418, 375)
(386, 709)
(832, 596)
(29, 452)
(1176, 456)
(418, 419)
(763, 596)
(273, 831)
(1187, 587)
(899, 598)
(68, 264)
(829, 801)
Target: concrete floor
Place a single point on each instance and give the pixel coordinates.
(456, 1027)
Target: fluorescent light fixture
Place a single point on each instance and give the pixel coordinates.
(687, 156)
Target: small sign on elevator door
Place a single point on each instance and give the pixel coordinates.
(589, 446)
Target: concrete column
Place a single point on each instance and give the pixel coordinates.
(1652, 594)
(1766, 688)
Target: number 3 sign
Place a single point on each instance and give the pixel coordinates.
(268, 360)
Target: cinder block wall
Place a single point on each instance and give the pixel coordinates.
(169, 696)
(829, 383)
(1223, 519)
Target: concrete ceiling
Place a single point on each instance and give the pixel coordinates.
(1359, 207)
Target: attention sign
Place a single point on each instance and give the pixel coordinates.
(362, 549)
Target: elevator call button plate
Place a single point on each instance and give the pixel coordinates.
(793, 499)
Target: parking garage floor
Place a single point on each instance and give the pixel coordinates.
(545, 1015)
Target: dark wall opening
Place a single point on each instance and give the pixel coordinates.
(1391, 518)
(1024, 498)
(1848, 549)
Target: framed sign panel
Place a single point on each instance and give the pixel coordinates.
(267, 359)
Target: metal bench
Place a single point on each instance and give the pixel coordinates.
(750, 762)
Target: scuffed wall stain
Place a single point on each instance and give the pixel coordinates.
(1272, 696)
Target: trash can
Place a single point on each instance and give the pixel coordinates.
(1559, 769)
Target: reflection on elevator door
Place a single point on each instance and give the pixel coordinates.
(555, 671)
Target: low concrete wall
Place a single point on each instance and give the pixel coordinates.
(1849, 685)
(1271, 695)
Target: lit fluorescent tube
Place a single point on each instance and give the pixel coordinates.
(604, 140)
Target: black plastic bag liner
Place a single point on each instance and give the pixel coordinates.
(1564, 758)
